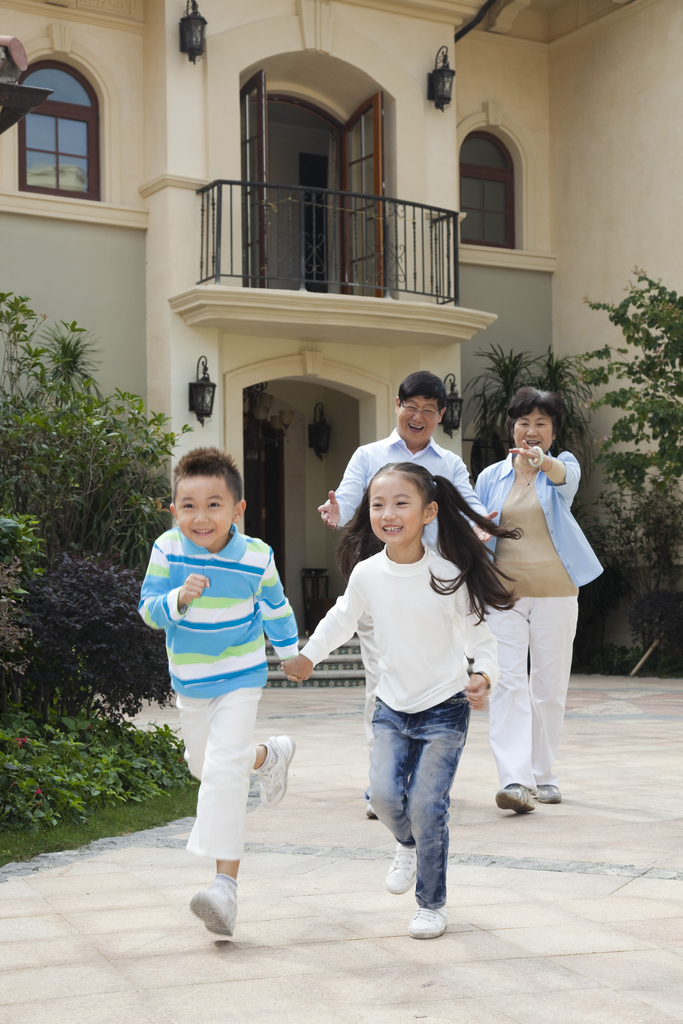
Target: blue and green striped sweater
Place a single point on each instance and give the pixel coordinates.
(217, 645)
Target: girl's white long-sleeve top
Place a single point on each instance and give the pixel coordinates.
(422, 636)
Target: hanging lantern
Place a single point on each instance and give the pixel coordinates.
(454, 403)
(192, 27)
(319, 432)
(440, 81)
(202, 392)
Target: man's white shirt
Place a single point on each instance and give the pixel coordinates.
(367, 460)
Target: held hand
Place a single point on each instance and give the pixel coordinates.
(330, 513)
(477, 690)
(297, 668)
(482, 534)
(193, 587)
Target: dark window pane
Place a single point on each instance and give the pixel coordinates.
(473, 227)
(41, 170)
(73, 174)
(496, 228)
(66, 88)
(367, 119)
(471, 192)
(482, 152)
(40, 132)
(73, 137)
(355, 152)
(356, 177)
(495, 195)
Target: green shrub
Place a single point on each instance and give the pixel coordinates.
(67, 769)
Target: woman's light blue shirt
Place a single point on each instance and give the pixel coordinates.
(576, 554)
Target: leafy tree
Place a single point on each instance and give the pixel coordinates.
(71, 354)
(650, 375)
(89, 470)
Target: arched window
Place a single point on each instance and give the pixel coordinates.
(58, 142)
(487, 192)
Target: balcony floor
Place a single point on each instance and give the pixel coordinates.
(310, 316)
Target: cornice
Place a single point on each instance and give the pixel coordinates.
(170, 181)
(35, 204)
(516, 259)
(306, 316)
(83, 15)
(449, 12)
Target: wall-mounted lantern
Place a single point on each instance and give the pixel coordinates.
(202, 391)
(319, 432)
(256, 408)
(440, 81)
(192, 27)
(16, 101)
(453, 414)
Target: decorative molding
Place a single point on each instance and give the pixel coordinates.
(366, 387)
(503, 13)
(170, 181)
(34, 204)
(61, 35)
(515, 259)
(124, 7)
(304, 316)
(313, 362)
(450, 12)
(494, 112)
(317, 24)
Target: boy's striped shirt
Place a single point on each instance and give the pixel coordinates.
(217, 645)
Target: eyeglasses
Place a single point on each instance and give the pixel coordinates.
(413, 410)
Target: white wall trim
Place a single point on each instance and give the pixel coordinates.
(36, 204)
(515, 139)
(373, 393)
(170, 181)
(518, 259)
(102, 82)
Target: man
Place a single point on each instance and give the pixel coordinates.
(420, 406)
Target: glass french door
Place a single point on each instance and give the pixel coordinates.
(363, 177)
(254, 151)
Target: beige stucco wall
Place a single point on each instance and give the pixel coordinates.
(615, 99)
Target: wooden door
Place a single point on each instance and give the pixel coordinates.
(363, 176)
(254, 150)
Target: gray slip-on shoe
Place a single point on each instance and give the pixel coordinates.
(515, 798)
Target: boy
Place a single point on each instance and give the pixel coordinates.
(214, 591)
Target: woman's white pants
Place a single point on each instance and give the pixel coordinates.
(218, 733)
(526, 712)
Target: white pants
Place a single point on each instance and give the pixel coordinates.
(370, 655)
(218, 733)
(525, 719)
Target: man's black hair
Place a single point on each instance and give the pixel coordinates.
(423, 383)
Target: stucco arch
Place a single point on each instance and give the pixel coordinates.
(234, 53)
(80, 58)
(373, 393)
(522, 155)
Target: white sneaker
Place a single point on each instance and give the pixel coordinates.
(273, 778)
(369, 811)
(217, 908)
(428, 924)
(401, 874)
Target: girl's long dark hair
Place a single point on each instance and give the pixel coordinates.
(457, 544)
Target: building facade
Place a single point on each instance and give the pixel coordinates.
(327, 264)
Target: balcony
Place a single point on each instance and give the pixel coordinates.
(323, 265)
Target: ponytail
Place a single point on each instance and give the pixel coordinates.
(457, 543)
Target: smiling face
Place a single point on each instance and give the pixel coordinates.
(416, 420)
(205, 510)
(536, 429)
(398, 516)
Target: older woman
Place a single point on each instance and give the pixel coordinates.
(534, 491)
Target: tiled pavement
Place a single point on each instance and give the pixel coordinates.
(571, 914)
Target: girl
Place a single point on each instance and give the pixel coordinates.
(428, 610)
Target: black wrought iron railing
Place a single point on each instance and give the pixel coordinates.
(322, 240)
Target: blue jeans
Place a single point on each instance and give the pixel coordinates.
(412, 767)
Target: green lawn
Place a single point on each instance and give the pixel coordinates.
(110, 821)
